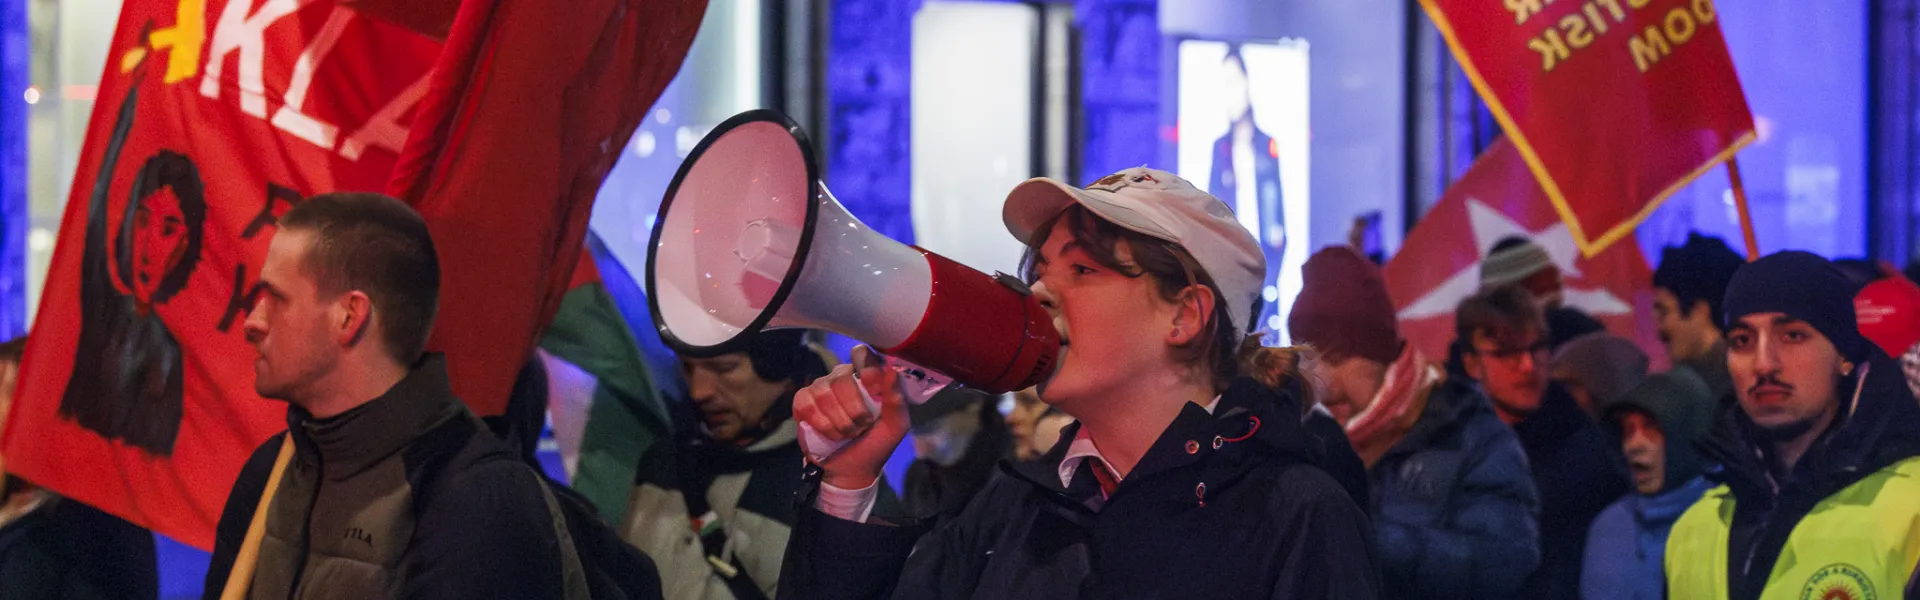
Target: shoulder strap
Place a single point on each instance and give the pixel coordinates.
(573, 574)
(240, 578)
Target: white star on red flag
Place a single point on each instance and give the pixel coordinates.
(1489, 227)
(1439, 265)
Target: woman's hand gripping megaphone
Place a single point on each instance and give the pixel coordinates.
(852, 419)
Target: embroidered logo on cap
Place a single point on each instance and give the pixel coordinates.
(1125, 179)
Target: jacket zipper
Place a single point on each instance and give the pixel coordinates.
(306, 555)
(1766, 521)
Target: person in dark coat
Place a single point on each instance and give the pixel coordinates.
(1821, 458)
(1034, 425)
(1453, 503)
(1598, 369)
(1575, 465)
(959, 440)
(1688, 290)
(719, 528)
(1290, 372)
(60, 549)
(1180, 479)
(53, 548)
(1657, 423)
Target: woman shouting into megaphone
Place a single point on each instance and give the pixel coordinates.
(1180, 478)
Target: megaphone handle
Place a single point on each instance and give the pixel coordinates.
(917, 385)
(819, 448)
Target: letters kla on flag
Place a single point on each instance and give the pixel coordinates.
(216, 116)
(213, 117)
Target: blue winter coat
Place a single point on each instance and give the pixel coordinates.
(1627, 547)
(1454, 503)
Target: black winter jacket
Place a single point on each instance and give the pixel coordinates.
(1578, 471)
(1882, 429)
(1231, 504)
(65, 550)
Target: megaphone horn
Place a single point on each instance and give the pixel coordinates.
(749, 239)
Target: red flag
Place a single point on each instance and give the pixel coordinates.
(136, 393)
(529, 108)
(1439, 265)
(207, 131)
(1614, 105)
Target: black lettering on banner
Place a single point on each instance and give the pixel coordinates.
(242, 300)
(267, 216)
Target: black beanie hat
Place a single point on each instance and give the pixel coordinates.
(1698, 270)
(783, 355)
(1803, 286)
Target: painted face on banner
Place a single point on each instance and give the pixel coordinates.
(160, 241)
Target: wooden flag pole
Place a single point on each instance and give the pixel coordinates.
(1740, 202)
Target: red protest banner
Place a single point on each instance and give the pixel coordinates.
(1614, 105)
(1439, 265)
(137, 388)
(214, 117)
(529, 108)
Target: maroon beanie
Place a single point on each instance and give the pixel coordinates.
(1343, 309)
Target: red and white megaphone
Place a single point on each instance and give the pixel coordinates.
(748, 239)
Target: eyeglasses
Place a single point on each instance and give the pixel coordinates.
(1510, 357)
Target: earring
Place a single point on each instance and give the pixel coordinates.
(1846, 368)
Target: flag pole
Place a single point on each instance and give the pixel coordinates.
(1740, 202)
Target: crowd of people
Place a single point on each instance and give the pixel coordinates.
(1169, 455)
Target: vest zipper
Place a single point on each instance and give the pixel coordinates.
(306, 551)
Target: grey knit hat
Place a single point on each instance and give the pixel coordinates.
(1513, 264)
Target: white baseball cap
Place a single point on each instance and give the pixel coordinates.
(1161, 205)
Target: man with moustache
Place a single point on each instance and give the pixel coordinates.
(1821, 460)
(1687, 292)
